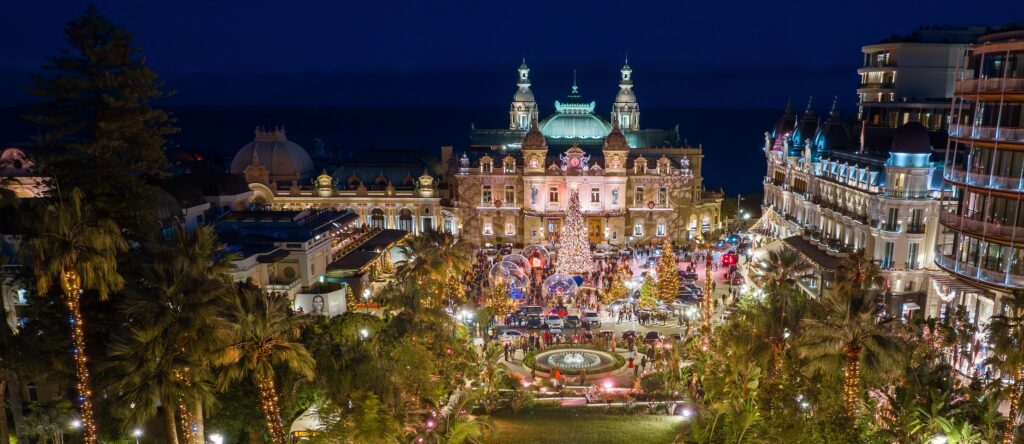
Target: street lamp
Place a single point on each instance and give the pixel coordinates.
(217, 438)
(75, 424)
(137, 433)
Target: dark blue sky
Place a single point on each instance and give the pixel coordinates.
(684, 53)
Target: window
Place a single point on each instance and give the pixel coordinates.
(640, 166)
(661, 228)
(486, 167)
(428, 224)
(887, 258)
(912, 256)
(510, 194)
(377, 218)
(638, 229)
(510, 229)
(638, 196)
(524, 121)
(595, 195)
(663, 196)
(916, 220)
(891, 216)
(624, 121)
(405, 220)
(510, 165)
(485, 196)
(488, 228)
(553, 194)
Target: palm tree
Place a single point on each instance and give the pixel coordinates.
(79, 251)
(260, 334)
(782, 267)
(433, 258)
(850, 330)
(180, 286)
(1006, 335)
(47, 420)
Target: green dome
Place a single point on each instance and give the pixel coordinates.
(575, 126)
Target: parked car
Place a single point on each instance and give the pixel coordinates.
(592, 319)
(629, 334)
(529, 309)
(573, 321)
(561, 311)
(555, 331)
(510, 336)
(533, 321)
(652, 337)
(676, 336)
(553, 321)
(688, 276)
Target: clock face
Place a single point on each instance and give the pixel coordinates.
(616, 163)
(574, 162)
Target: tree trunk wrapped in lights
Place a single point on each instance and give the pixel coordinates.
(1014, 413)
(72, 286)
(269, 404)
(574, 249)
(668, 274)
(851, 382)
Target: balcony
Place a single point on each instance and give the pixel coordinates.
(916, 228)
(906, 194)
(994, 277)
(283, 286)
(890, 227)
(989, 85)
(981, 179)
(877, 85)
(956, 221)
(1005, 134)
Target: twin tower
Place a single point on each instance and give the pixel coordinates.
(625, 109)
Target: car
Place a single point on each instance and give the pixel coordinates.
(533, 321)
(676, 336)
(592, 319)
(553, 321)
(573, 321)
(688, 276)
(510, 336)
(529, 309)
(694, 289)
(629, 334)
(555, 331)
(652, 337)
(650, 263)
(561, 311)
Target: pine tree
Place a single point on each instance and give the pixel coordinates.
(646, 298)
(616, 290)
(574, 250)
(99, 128)
(500, 301)
(668, 274)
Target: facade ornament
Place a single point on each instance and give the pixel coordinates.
(615, 196)
(324, 184)
(533, 195)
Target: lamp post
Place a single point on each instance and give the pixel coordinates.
(137, 433)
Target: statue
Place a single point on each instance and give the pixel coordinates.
(533, 195)
(615, 196)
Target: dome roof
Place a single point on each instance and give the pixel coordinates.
(833, 136)
(534, 139)
(625, 96)
(575, 126)
(523, 95)
(282, 158)
(616, 140)
(912, 137)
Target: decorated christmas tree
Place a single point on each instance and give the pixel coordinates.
(646, 298)
(668, 274)
(453, 288)
(574, 250)
(616, 290)
(500, 302)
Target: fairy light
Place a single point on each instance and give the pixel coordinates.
(188, 425)
(1011, 418)
(269, 402)
(708, 304)
(72, 284)
(852, 381)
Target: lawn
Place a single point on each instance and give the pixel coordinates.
(583, 426)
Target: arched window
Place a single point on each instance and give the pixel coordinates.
(377, 218)
(405, 220)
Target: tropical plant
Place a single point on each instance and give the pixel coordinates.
(47, 419)
(850, 330)
(72, 248)
(259, 331)
(179, 286)
(781, 268)
(1006, 336)
(364, 420)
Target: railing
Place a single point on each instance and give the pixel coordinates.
(982, 179)
(987, 228)
(895, 227)
(877, 85)
(997, 277)
(1009, 134)
(915, 228)
(906, 194)
(283, 286)
(991, 84)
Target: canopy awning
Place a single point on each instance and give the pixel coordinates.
(945, 284)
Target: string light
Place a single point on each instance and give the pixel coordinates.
(574, 249)
(708, 304)
(668, 273)
(269, 402)
(1011, 421)
(852, 381)
(72, 285)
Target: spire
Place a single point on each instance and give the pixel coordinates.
(810, 105)
(834, 113)
(789, 105)
(574, 79)
(524, 75)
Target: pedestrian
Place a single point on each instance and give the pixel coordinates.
(506, 351)
(643, 363)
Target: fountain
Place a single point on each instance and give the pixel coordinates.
(574, 360)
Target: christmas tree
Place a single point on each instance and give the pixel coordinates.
(668, 274)
(646, 298)
(500, 301)
(453, 288)
(617, 290)
(574, 251)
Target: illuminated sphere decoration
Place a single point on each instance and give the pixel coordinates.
(509, 273)
(560, 285)
(518, 259)
(535, 252)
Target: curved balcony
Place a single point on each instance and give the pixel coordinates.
(989, 85)
(980, 179)
(993, 229)
(993, 277)
(1003, 134)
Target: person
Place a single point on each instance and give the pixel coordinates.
(506, 351)
(643, 363)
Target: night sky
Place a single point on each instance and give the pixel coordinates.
(684, 53)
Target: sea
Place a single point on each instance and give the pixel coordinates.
(731, 138)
